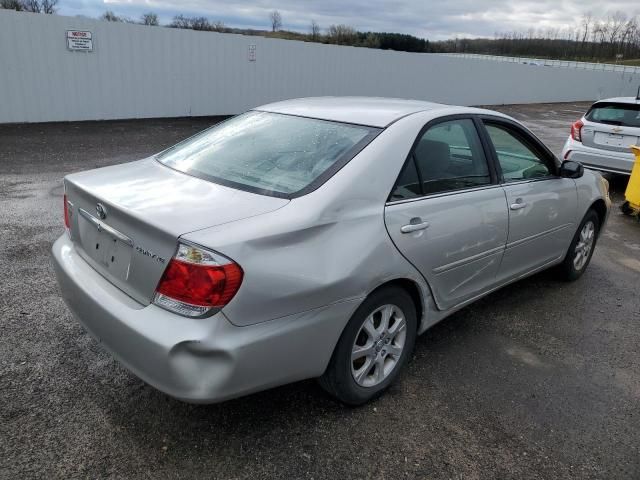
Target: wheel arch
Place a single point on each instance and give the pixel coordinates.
(414, 290)
(600, 207)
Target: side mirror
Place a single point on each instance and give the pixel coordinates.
(571, 169)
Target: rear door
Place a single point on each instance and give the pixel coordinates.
(447, 213)
(542, 205)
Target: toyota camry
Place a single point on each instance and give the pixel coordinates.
(314, 238)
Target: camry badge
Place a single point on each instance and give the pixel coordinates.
(150, 254)
(101, 211)
(616, 129)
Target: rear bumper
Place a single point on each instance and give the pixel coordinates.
(606, 161)
(197, 360)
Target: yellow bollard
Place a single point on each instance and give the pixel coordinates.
(632, 194)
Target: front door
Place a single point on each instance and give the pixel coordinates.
(542, 205)
(447, 213)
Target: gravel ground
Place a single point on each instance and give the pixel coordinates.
(538, 380)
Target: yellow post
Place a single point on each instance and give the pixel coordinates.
(632, 193)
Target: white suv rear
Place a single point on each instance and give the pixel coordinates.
(601, 138)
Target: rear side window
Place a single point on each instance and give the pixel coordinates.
(408, 183)
(269, 153)
(624, 115)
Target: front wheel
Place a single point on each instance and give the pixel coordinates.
(581, 248)
(373, 348)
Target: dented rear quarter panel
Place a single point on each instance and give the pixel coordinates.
(328, 246)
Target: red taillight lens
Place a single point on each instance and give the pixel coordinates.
(576, 131)
(197, 281)
(67, 224)
(205, 286)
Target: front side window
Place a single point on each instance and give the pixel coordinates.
(622, 114)
(448, 156)
(268, 153)
(517, 160)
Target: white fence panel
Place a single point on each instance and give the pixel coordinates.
(137, 71)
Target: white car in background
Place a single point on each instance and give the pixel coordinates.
(601, 138)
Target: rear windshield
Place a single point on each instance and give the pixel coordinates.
(625, 115)
(269, 153)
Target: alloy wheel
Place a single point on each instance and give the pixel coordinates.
(584, 245)
(378, 345)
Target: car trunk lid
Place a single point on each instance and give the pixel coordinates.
(612, 125)
(125, 220)
(609, 137)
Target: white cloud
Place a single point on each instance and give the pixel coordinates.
(429, 19)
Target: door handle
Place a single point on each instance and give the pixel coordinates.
(518, 205)
(415, 225)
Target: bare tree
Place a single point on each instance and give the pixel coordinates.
(49, 6)
(32, 6)
(314, 31)
(180, 21)
(276, 20)
(219, 26)
(197, 23)
(200, 23)
(586, 26)
(16, 5)
(109, 16)
(627, 35)
(616, 24)
(342, 35)
(150, 19)
(371, 41)
(35, 6)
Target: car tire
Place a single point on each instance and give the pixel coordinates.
(581, 249)
(384, 347)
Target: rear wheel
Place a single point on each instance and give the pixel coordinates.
(373, 348)
(581, 248)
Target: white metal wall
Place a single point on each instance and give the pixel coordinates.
(550, 63)
(139, 72)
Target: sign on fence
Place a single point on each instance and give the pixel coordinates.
(79, 40)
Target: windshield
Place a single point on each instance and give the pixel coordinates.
(269, 153)
(622, 114)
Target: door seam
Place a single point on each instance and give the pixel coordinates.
(433, 297)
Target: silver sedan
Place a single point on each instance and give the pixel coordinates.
(314, 238)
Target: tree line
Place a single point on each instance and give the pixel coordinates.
(35, 6)
(613, 37)
(610, 38)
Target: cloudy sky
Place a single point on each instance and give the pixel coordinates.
(425, 18)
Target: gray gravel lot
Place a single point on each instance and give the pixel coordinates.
(539, 380)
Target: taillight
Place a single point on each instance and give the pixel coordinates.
(576, 131)
(197, 281)
(67, 223)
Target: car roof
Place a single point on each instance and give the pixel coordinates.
(371, 111)
(627, 100)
